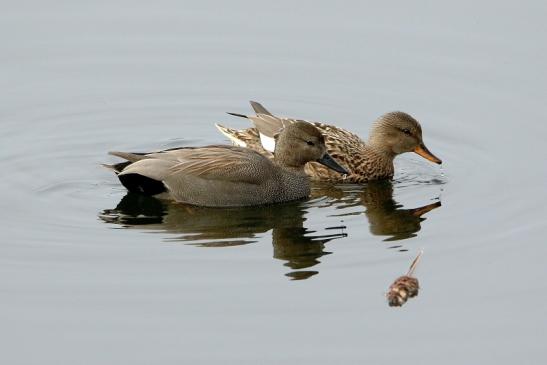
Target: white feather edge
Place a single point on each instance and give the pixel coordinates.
(230, 136)
(267, 142)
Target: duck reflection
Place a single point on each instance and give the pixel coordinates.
(386, 217)
(293, 243)
(299, 247)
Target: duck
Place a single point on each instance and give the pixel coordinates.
(391, 134)
(228, 176)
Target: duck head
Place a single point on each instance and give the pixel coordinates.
(397, 132)
(301, 142)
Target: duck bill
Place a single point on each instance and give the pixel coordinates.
(418, 212)
(331, 164)
(425, 153)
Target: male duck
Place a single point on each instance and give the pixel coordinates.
(222, 176)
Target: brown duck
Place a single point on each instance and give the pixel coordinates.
(391, 134)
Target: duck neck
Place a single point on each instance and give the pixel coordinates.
(294, 183)
(377, 145)
(299, 170)
(380, 140)
(378, 160)
(286, 158)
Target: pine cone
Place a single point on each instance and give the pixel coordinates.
(403, 288)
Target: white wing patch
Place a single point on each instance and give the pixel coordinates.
(267, 142)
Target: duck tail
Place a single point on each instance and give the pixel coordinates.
(129, 156)
(238, 115)
(140, 184)
(231, 134)
(117, 167)
(259, 109)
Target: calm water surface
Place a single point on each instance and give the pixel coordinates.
(91, 275)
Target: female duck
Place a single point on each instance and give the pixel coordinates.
(392, 134)
(222, 176)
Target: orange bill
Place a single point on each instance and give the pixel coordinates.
(418, 212)
(424, 152)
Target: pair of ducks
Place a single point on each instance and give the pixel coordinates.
(271, 163)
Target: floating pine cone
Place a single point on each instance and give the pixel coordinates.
(403, 288)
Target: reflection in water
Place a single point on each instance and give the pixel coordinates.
(292, 242)
(404, 287)
(220, 227)
(386, 217)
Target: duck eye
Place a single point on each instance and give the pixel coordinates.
(406, 131)
(310, 143)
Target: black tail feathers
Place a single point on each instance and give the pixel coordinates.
(140, 184)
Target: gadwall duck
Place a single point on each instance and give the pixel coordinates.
(392, 134)
(222, 176)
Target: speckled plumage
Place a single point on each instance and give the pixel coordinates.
(365, 161)
(220, 176)
(362, 162)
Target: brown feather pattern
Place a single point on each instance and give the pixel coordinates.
(392, 134)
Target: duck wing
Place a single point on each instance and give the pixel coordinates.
(216, 162)
(223, 163)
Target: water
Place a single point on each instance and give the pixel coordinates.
(92, 276)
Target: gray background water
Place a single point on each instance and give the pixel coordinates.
(84, 283)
